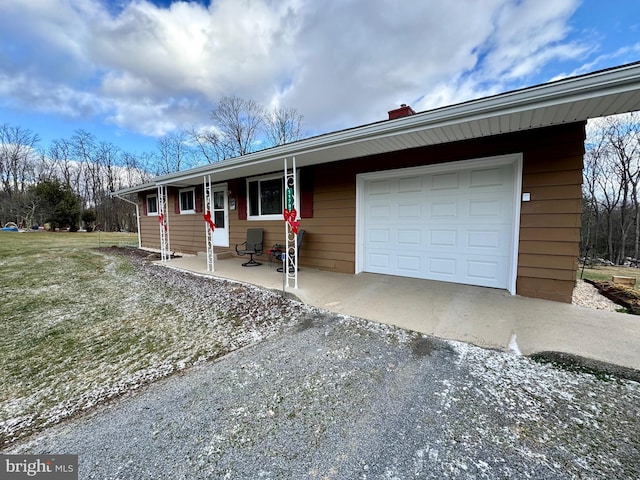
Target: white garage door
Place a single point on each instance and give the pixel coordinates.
(451, 223)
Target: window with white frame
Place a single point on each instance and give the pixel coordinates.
(264, 197)
(152, 204)
(188, 200)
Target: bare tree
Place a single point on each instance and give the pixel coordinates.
(84, 150)
(60, 154)
(44, 168)
(611, 183)
(208, 142)
(134, 173)
(173, 153)
(239, 122)
(624, 155)
(283, 125)
(17, 155)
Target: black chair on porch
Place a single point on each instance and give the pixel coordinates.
(252, 246)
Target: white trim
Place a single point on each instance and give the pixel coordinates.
(517, 202)
(290, 268)
(207, 208)
(146, 201)
(275, 216)
(223, 186)
(193, 200)
(515, 159)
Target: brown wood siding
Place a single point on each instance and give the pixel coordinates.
(186, 231)
(549, 223)
(149, 227)
(329, 241)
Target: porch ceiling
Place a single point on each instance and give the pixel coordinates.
(574, 99)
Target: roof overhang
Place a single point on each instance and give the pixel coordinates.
(569, 100)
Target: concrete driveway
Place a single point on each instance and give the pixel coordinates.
(483, 316)
(336, 397)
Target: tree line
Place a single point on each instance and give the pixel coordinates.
(67, 184)
(611, 196)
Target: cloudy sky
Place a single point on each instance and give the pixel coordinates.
(130, 71)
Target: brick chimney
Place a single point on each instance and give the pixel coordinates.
(403, 111)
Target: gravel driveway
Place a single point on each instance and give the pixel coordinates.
(335, 397)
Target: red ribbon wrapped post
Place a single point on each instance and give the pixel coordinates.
(207, 218)
(290, 218)
(161, 221)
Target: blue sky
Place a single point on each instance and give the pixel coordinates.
(132, 71)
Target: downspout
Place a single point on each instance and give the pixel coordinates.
(113, 194)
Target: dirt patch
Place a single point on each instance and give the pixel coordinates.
(624, 296)
(574, 363)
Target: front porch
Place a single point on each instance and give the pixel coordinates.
(482, 316)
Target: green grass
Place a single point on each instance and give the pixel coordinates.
(603, 273)
(81, 326)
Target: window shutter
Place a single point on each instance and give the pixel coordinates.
(199, 193)
(177, 202)
(144, 205)
(306, 193)
(241, 201)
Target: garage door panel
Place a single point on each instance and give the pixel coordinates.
(409, 184)
(486, 177)
(379, 235)
(409, 237)
(379, 260)
(379, 187)
(408, 264)
(491, 239)
(410, 210)
(439, 266)
(379, 212)
(444, 209)
(445, 181)
(485, 270)
(485, 208)
(443, 238)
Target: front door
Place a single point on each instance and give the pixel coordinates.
(220, 215)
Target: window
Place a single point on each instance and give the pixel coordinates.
(188, 201)
(152, 204)
(265, 197)
(218, 208)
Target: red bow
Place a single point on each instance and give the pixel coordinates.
(207, 218)
(161, 220)
(290, 218)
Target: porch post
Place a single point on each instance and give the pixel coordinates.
(291, 224)
(163, 220)
(209, 225)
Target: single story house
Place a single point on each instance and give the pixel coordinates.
(485, 192)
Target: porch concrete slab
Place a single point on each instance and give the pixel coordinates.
(485, 317)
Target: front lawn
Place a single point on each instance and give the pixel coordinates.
(604, 273)
(82, 324)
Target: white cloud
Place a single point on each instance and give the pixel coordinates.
(527, 35)
(339, 63)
